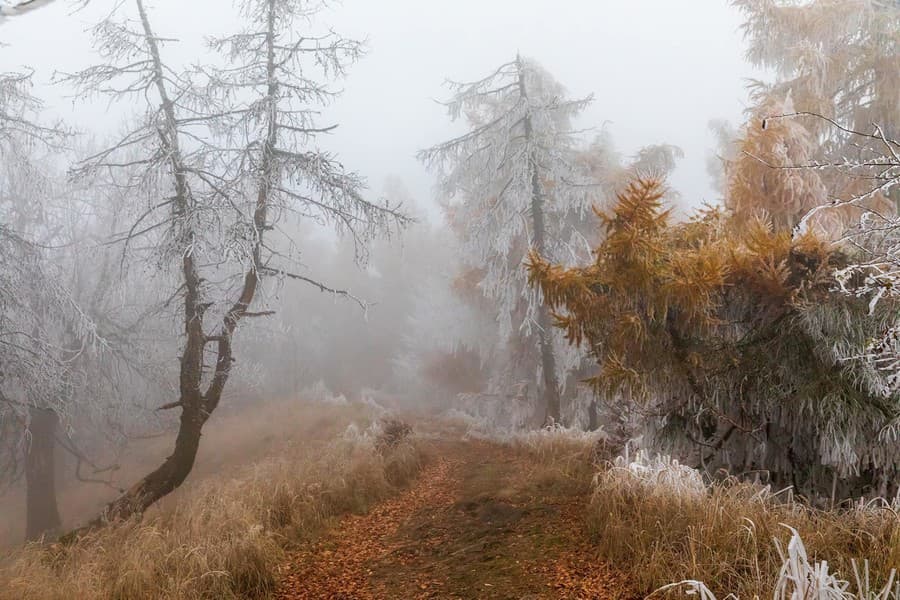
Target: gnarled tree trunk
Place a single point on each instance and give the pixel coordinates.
(167, 477)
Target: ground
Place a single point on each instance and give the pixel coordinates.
(479, 522)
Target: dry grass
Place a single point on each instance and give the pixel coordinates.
(560, 458)
(652, 522)
(802, 578)
(231, 439)
(226, 536)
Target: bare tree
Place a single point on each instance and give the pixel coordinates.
(223, 158)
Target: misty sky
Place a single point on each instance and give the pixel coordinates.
(659, 69)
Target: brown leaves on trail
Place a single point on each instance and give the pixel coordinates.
(338, 566)
(578, 575)
(473, 526)
(577, 572)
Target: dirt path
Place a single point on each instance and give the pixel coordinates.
(477, 523)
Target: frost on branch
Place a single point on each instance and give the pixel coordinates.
(486, 179)
(221, 165)
(45, 335)
(511, 183)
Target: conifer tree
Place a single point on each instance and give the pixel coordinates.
(837, 71)
(510, 184)
(727, 335)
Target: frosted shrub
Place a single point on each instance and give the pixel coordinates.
(657, 475)
(559, 432)
(557, 440)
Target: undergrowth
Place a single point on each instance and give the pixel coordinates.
(657, 520)
(226, 538)
(803, 579)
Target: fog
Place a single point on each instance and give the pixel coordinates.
(659, 70)
(267, 223)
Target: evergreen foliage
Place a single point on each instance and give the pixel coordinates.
(728, 336)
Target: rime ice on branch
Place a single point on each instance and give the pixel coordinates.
(511, 184)
(224, 161)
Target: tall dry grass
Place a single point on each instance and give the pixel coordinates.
(560, 458)
(656, 520)
(232, 439)
(801, 578)
(226, 536)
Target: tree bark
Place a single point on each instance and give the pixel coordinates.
(545, 340)
(194, 412)
(167, 477)
(41, 510)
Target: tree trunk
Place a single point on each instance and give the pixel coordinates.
(548, 365)
(41, 512)
(545, 340)
(195, 406)
(593, 416)
(167, 477)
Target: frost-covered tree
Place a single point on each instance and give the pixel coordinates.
(873, 244)
(810, 160)
(221, 158)
(822, 141)
(727, 336)
(72, 315)
(836, 66)
(35, 377)
(837, 58)
(755, 189)
(44, 334)
(511, 184)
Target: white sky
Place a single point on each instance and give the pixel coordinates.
(660, 69)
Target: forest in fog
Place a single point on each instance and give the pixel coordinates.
(197, 282)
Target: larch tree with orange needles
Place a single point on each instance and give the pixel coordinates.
(728, 337)
(821, 150)
(837, 72)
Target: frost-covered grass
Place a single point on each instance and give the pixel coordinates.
(659, 521)
(225, 537)
(654, 475)
(803, 579)
(555, 439)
